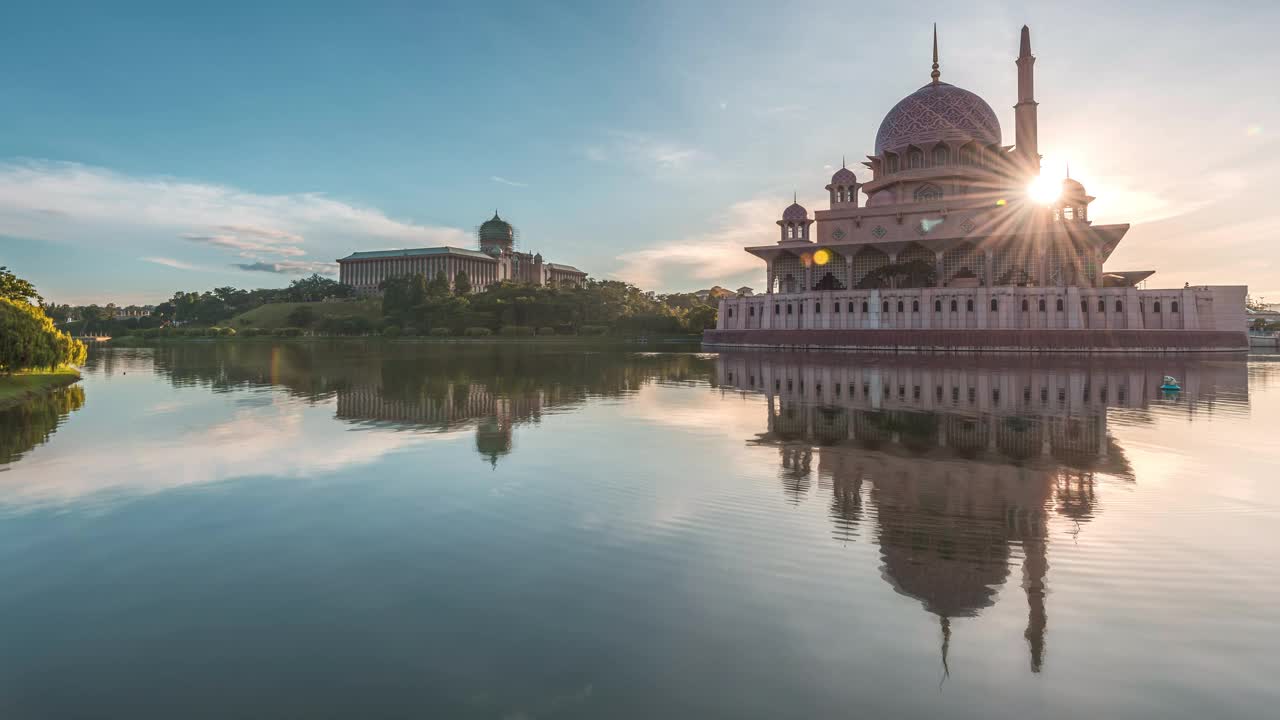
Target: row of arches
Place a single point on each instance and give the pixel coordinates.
(941, 155)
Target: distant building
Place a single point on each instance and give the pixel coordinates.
(745, 291)
(497, 260)
(134, 311)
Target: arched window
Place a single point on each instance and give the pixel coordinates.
(1155, 307)
(730, 312)
(915, 159)
(1024, 305)
(953, 306)
(788, 308)
(850, 308)
(777, 309)
(751, 311)
(1119, 306)
(799, 308)
(995, 306)
(900, 306)
(940, 155)
(864, 306)
(1059, 304)
(1084, 306)
(1102, 305)
(885, 307)
(928, 193)
(968, 306)
(837, 307)
(1042, 307)
(817, 308)
(966, 155)
(915, 306)
(1173, 307)
(937, 306)
(891, 163)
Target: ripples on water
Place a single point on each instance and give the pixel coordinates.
(233, 529)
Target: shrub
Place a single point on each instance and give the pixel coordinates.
(546, 331)
(516, 331)
(287, 332)
(410, 331)
(212, 332)
(228, 332)
(477, 332)
(593, 330)
(29, 340)
(391, 331)
(441, 332)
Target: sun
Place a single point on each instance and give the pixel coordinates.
(1044, 190)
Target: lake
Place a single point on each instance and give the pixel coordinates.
(242, 529)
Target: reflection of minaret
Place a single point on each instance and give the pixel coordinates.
(1035, 565)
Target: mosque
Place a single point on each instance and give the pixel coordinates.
(496, 261)
(960, 245)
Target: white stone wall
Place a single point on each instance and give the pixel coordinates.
(1219, 307)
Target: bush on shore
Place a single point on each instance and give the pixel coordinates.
(391, 331)
(29, 340)
(478, 332)
(516, 331)
(441, 332)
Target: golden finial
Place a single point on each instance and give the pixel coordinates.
(935, 74)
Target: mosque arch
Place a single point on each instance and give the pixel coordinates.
(963, 260)
(890, 163)
(941, 155)
(969, 154)
(788, 274)
(833, 275)
(915, 158)
(865, 261)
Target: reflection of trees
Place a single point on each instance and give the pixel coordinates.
(31, 423)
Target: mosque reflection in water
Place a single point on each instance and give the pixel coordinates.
(955, 468)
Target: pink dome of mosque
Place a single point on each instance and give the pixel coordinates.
(938, 112)
(795, 212)
(844, 176)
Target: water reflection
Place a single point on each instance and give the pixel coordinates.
(960, 467)
(31, 423)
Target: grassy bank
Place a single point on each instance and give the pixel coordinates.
(19, 387)
(276, 315)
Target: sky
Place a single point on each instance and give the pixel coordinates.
(147, 148)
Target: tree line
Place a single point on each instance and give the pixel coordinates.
(413, 304)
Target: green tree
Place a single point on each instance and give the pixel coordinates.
(29, 340)
(439, 286)
(13, 287)
(461, 283)
(316, 288)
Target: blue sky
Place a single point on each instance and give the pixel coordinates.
(150, 147)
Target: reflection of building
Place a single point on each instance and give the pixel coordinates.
(950, 239)
(957, 473)
(497, 260)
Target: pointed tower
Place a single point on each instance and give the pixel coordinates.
(795, 223)
(843, 188)
(1026, 139)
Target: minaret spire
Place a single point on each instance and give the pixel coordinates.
(1027, 132)
(936, 73)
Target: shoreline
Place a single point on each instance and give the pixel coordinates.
(20, 387)
(129, 341)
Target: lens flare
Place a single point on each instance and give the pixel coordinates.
(1044, 190)
(822, 257)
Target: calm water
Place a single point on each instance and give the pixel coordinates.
(240, 530)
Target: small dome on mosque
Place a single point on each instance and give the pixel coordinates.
(795, 211)
(938, 112)
(844, 176)
(496, 230)
(1072, 188)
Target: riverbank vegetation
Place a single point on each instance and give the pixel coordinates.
(34, 355)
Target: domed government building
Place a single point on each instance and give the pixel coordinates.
(497, 260)
(953, 251)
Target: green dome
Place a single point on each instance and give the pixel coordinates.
(496, 231)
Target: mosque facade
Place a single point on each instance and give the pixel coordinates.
(496, 261)
(950, 250)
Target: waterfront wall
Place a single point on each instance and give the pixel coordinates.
(1218, 307)
(985, 340)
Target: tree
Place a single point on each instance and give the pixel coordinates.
(316, 288)
(29, 340)
(439, 286)
(461, 283)
(13, 287)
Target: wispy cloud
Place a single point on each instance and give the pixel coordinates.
(504, 181)
(80, 204)
(290, 267)
(716, 255)
(645, 152)
(170, 262)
